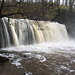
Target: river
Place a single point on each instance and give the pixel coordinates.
(43, 59)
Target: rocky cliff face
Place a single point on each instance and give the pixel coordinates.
(70, 24)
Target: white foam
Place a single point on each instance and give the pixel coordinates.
(46, 47)
(72, 61)
(16, 63)
(37, 56)
(13, 58)
(40, 57)
(66, 68)
(28, 73)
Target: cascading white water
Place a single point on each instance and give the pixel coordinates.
(24, 31)
(5, 34)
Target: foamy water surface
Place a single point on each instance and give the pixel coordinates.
(45, 47)
(56, 58)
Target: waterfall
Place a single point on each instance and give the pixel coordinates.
(24, 32)
(4, 34)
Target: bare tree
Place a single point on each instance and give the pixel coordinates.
(71, 2)
(43, 11)
(3, 6)
(63, 1)
(66, 2)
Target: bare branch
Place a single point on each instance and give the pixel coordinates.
(6, 15)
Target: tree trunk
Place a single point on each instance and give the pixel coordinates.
(66, 2)
(1, 6)
(43, 12)
(70, 5)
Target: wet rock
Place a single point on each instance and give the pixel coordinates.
(25, 56)
(3, 59)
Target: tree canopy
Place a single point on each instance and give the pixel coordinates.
(32, 8)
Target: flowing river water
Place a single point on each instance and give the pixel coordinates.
(43, 59)
(37, 47)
